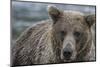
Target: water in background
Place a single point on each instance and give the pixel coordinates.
(24, 14)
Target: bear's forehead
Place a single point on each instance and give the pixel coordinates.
(73, 15)
(70, 26)
(73, 18)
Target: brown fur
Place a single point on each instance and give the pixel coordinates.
(43, 43)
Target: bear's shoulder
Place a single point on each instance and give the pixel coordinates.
(35, 29)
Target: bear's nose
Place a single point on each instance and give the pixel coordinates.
(67, 53)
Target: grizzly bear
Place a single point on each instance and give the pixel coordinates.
(65, 37)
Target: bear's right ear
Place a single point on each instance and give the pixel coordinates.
(90, 19)
(54, 13)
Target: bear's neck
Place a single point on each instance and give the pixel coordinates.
(48, 53)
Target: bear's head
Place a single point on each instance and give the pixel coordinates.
(71, 31)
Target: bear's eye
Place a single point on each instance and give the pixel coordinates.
(77, 34)
(63, 33)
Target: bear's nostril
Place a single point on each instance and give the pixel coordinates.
(67, 54)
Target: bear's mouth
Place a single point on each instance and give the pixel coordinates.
(67, 60)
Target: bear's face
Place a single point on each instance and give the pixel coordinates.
(72, 30)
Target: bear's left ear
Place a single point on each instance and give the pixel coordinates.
(54, 13)
(90, 19)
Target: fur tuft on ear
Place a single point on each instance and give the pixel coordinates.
(91, 19)
(54, 13)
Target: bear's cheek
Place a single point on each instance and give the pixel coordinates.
(81, 42)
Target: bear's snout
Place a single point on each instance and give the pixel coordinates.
(67, 52)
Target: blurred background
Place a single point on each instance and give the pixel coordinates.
(24, 14)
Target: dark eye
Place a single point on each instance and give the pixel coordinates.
(77, 34)
(63, 33)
